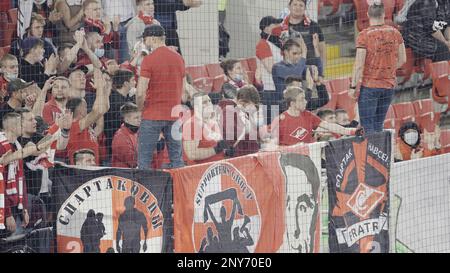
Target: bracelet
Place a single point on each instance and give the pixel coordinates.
(65, 132)
(352, 87)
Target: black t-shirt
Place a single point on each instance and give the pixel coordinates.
(4, 109)
(307, 34)
(113, 119)
(32, 72)
(32, 178)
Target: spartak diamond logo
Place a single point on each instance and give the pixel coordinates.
(299, 133)
(364, 200)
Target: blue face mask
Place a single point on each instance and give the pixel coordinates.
(238, 78)
(99, 52)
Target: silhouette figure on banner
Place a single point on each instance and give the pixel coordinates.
(131, 221)
(91, 232)
(225, 242)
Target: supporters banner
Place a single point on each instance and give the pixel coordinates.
(239, 205)
(112, 210)
(420, 210)
(358, 171)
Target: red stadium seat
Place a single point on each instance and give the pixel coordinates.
(8, 32)
(439, 74)
(200, 78)
(404, 111)
(445, 138)
(428, 121)
(423, 106)
(340, 85)
(216, 73)
(12, 14)
(333, 97)
(346, 103)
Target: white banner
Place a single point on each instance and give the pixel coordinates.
(420, 194)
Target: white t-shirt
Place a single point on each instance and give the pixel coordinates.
(126, 9)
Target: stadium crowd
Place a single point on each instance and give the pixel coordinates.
(103, 83)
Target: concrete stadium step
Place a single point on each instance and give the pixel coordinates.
(340, 67)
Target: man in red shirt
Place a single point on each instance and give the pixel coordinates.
(57, 104)
(125, 141)
(380, 51)
(202, 137)
(9, 68)
(82, 135)
(159, 91)
(297, 124)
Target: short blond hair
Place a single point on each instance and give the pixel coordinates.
(6, 58)
(291, 94)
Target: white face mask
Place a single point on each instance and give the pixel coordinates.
(411, 138)
(132, 92)
(238, 78)
(10, 76)
(99, 52)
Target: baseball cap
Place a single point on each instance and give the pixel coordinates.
(153, 31)
(267, 21)
(18, 84)
(28, 43)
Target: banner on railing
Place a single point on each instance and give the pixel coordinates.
(239, 205)
(421, 206)
(358, 187)
(112, 210)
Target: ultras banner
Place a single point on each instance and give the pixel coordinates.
(358, 171)
(112, 210)
(241, 205)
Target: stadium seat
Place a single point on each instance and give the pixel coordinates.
(12, 15)
(404, 111)
(340, 85)
(428, 121)
(390, 113)
(333, 97)
(445, 138)
(200, 78)
(346, 103)
(216, 73)
(439, 75)
(8, 32)
(423, 106)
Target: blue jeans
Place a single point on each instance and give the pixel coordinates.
(148, 136)
(373, 105)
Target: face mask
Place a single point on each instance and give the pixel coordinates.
(10, 76)
(411, 138)
(132, 92)
(238, 78)
(132, 128)
(99, 52)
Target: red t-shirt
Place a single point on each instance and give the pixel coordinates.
(124, 148)
(263, 50)
(50, 111)
(293, 130)
(165, 69)
(381, 44)
(208, 136)
(85, 139)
